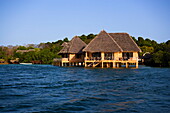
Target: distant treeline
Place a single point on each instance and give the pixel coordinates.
(46, 52)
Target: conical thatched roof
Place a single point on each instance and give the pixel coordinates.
(74, 46)
(103, 42)
(65, 48)
(112, 42)
(125, 41)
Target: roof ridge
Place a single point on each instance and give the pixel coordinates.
(71, 43)
(116, 44)
(81, 40)
(93, 39)
(115, 41)
(91, 42)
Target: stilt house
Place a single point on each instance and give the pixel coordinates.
(72, 54)
(111, 50)
(105, 50)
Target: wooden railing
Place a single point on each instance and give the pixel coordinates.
(99, 59)
(93, 58)
(110, 58)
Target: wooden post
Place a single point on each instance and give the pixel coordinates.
(113, 64)
(93, 64)
(107, 64)
(137, 64)
(102, 55)
(127, 65)
(117, 64)
(85, 65)
(102, 64)
(85, 54)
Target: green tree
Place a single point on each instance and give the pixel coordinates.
(158, 57)
(146, 49)
(66, 39)
(140, 41)
(21, 48)
(134, 39)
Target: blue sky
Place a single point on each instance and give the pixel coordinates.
(35, 21)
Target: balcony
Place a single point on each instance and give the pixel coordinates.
(110, 59)
(93, 58)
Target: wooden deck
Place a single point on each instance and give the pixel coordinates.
(114, 63)
(98, 62)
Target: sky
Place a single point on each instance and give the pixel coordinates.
(37, 21)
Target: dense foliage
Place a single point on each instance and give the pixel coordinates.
(159, 52)
(46, 52)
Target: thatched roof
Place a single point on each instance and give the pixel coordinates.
(112, 42)
(74, 46)
(125, 41)
(64, 44)
(103, 42)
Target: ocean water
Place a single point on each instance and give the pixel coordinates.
(47, 88)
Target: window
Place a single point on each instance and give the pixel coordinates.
(108, 56)
(97, 54)
(127, 55)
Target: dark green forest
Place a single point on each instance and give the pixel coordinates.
(46, 52)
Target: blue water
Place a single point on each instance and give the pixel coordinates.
(46, 88)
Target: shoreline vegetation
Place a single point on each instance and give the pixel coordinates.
(153, 54)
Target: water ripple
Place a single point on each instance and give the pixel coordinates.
(46, 88)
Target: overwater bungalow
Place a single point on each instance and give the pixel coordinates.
(111, 50)
(72, 54)
(105, 50)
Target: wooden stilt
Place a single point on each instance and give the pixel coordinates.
(85, 65)
(93, 65)
(107, 64)
(117, 64)
(137, 64)
(102, 64)
(127, 65)
(113, 64)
